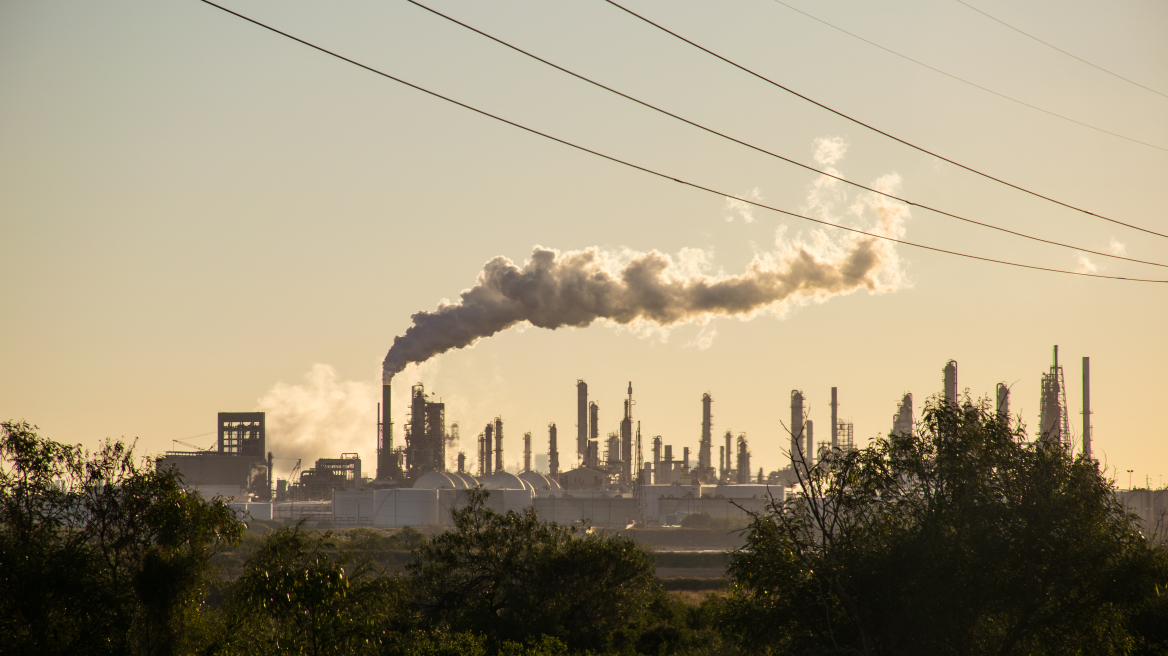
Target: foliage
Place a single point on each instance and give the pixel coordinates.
(100, 553)
(295, 596)
(959, 538)
(513, 577)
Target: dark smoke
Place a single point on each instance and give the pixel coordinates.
(555, 290)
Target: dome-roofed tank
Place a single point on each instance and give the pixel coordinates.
(537, 480)
(471, 481)
(459, 482)
(504, 481)
(434, 481)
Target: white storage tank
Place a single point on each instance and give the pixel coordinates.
(406, 507)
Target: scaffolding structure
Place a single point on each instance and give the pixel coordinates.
(1054, 423)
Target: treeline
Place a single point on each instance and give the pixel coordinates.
(962, 538)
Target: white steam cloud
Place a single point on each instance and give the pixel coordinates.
(654, 291)
(1086, 265)
(321, 417)
(1117, 247)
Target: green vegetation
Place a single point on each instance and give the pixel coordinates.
(960, 539)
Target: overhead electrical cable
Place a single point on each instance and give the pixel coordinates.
(878, 130)
(1054, 47)
(770, 153)
(665, 176)
(965, 81)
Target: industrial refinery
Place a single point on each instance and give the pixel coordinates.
(615, 478)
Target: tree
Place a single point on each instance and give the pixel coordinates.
(99, 552)
(296, 597)
(959, 538)
(512, 577)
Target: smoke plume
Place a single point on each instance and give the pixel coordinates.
(574, 289)
(556, 289)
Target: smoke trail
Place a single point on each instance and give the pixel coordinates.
(573, 289)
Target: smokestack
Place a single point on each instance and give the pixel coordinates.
(527, 451)
(1087, 409)
(657, 460)
(834, 421)
(902, 421)
(593, 421)
(950, 376)
(499, 445)
(626, 440)
(796, 426)
(581, 418)
(553, 451)
(729, 451)
(809, 428)
(488, 445)
(722, 464)
(385, 434)
(685, 460)
(668, 468)
(705, 470)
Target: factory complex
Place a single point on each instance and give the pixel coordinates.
(610, 484)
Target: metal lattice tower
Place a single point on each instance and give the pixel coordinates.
(1054, 422)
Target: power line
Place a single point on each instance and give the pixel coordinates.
(1051, 45)
(770, 153)
(965, 81)
(878, 130)
(658, 174)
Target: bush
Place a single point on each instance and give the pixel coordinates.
(514, 578)
(99, 552)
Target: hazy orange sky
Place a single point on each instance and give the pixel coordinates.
(201, 216)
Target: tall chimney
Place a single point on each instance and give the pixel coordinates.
(499, 445)
(553, 451)
(950, 378)
(729, 451)
(385, 435)
(581, 418)
(1087, 409)
(705, 467)
(809, 428)
(527, 451)
(834, 421)
(796, 426)
(485, 459)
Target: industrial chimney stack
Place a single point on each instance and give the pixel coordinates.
(581, 419)
(1087, 409)
(796, 426)
(553, 451)
(950, 376)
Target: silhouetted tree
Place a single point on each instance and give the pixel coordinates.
(100, 553)
(513, 577)
(299, 596)
(961, 538)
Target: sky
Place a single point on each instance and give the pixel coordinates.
(201, 216)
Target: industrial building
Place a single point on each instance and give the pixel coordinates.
(239, 466)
